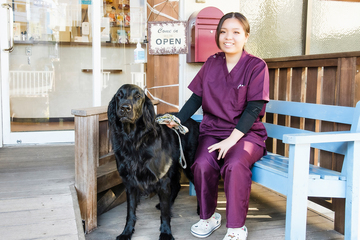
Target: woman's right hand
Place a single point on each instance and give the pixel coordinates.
(172, 124)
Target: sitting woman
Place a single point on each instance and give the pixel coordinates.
(232, 87)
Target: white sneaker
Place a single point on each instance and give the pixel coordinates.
(205, 227)
(236, 233)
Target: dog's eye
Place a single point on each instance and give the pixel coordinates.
(121, 95)
(137, 96)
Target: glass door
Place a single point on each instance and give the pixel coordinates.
(63, 56)
(42, 77)
(123, 25)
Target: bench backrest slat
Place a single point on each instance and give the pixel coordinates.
(277, 131)
(337, 114)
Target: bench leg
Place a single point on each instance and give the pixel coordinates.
(296, 203)
(192, 189)
(352, 204)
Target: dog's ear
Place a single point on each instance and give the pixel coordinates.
(148, 113)
(111, 112)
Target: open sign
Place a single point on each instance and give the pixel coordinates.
(167, 38)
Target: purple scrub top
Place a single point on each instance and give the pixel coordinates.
(225, 95)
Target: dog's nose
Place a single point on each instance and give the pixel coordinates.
(125, 108)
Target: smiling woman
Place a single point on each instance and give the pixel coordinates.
(232, 87)
(232, 33)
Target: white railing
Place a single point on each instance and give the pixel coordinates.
(105, 79)
(138, 78)
(73, 15)
(31, 83)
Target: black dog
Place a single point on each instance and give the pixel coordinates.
(147, 154)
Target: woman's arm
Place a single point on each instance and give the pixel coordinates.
(249, 115)
(190, 107)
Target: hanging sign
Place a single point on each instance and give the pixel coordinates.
(167, 38)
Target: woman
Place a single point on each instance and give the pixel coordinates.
(232, 87)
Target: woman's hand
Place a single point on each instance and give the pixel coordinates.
(172, 124)
(224, 146)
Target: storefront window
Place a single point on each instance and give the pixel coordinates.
(50, 69)
(69, 21)
(335, 27)
(277, 27)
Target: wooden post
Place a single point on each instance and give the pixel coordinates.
(86, 158)
(163, 69)
(346, 72)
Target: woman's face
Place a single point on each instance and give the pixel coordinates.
(232, 37)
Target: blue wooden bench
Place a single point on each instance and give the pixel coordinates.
(297, 179)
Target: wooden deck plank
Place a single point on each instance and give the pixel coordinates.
(48, 229)
(45, 174)
(33, 188)
(34, 216)
(41, 202)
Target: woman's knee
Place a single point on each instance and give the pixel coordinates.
(235, 167)
(204, 166)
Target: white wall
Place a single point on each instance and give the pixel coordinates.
(189, 70)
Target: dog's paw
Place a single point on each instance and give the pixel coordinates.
(166, 236)
(123, 237)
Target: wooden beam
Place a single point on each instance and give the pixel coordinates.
(304, 76)
(276, 97)
(288, 98)
(308, 27)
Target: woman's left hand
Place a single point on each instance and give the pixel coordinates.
(224, 146)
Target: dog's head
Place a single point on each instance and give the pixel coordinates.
(129, 104)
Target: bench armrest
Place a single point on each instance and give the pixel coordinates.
(321, 137)
(85, 112)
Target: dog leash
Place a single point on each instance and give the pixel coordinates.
(166, 119)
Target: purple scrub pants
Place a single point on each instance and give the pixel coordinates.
(236, 173)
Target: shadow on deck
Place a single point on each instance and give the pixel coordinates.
(265, 219)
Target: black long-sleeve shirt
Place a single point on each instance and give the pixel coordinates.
(246, 120)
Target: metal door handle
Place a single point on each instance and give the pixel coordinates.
(10, 26)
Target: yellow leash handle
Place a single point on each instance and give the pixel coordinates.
(166, 119)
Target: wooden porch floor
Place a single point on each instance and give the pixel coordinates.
(36, 197)
(36, 202)
(265, 220)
